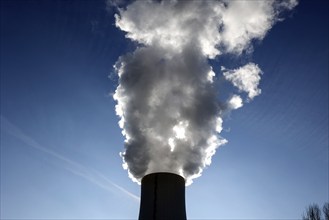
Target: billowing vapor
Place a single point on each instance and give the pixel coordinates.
(167, 100)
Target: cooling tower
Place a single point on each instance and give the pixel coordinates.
(162, 197)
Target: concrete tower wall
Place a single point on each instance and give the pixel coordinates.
(162, 197)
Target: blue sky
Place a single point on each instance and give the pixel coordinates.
(60, 140)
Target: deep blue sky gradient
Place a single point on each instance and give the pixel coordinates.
(56, 105)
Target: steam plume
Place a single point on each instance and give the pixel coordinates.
(166, 98)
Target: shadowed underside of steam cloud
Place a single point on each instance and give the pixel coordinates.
(162, 197)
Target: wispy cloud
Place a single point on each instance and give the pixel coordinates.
(93, 176)
(245, 78)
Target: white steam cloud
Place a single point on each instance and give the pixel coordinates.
(166, 98)
(245, 78)
(235, 102)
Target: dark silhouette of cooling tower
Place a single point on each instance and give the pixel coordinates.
(162, 197)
